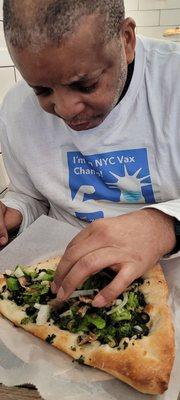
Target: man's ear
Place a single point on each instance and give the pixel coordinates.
(129, 38)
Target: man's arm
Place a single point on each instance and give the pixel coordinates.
(21, 195)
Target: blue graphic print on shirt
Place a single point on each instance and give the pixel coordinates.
(118, 176)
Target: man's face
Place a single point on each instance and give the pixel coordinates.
(79, 81)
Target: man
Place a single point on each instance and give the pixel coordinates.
(104, 142)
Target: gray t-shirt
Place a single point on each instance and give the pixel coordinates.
(130, 161)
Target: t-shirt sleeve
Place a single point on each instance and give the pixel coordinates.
(21, 194)
(172, 208)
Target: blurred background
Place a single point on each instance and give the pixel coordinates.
(153, 18)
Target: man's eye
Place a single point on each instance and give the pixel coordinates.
(43, 92)
(85, 89)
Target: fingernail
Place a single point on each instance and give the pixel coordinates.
(54, 288)
(60, 294)
(3, 240)
(99, 301)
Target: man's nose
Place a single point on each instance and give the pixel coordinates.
(67, 103)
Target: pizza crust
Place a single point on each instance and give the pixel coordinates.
(145, 364)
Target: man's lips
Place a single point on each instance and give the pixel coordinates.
(81, 125)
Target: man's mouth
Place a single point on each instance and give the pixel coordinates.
(83, 125)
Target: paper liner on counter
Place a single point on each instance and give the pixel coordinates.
(26, 359)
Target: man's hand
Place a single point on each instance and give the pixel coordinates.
(129, 244)
(9, 219)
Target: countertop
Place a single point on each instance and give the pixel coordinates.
(18, 393)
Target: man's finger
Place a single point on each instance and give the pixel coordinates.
(71, 256)
(12, 218)
(3, 229)
(85, 267)
(3, 237)
(126, 275)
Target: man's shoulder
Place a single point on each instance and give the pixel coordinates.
(17, 99)
(161, 47)
(162, 63)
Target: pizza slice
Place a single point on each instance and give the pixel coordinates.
(133, 339)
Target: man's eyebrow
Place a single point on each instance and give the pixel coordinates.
(84, 77)
(36, 87)
(75, 80)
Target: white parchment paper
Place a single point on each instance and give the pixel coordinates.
(26, 359)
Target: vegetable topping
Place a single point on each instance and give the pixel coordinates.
(116, 325)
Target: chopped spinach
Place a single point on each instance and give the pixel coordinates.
(25, 321)
(81, 360)
(50, 338)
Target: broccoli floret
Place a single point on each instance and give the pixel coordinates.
(125, 330)
(121, 314)
(96, 320)
(107, 335)
(132, 302)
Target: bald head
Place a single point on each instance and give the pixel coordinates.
(36, 22)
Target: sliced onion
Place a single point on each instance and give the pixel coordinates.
(6, 294)
(18, 272)
(43, 315)
(124, 341)
(119, 304)
(37, 305)
(47, 283)
(66, 313)
(78, 293)
(8, 272)
(138, 329)
(40, 276)
(124, 301)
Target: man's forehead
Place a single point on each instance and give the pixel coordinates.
(54, 65)
(80, 57)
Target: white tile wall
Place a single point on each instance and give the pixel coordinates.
(1, 6)
(5, 59)
(152, 18)
(132, 4)
(18, 76)
(170, 17)
(158, 4)
(7, 79)
(145, 18)
(152, 31)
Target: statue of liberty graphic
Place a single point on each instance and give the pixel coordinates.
(130, 186)
(100, 182)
